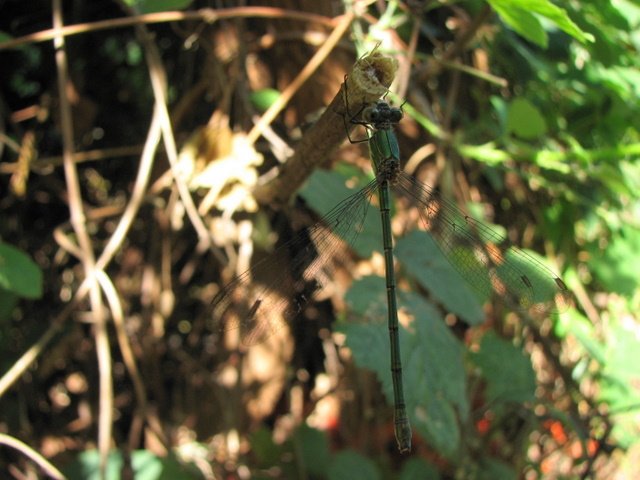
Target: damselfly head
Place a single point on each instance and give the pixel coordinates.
(380, 114)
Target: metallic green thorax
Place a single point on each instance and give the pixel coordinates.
(384, 149)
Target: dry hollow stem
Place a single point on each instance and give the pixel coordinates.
(368, 80)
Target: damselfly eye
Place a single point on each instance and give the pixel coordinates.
(371, 114)
(395, 115)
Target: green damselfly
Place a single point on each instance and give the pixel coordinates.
(484, 258)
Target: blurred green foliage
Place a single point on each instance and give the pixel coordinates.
(145, 465)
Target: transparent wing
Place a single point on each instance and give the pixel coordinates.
(484, 258)
(261, 309)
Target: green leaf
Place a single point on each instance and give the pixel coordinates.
(618, 267)
(18, 273)
(146, 466)
(522, 21)
(263, 99)
(620, 384)
(552, 161)
(267, 452)
(314, 449)
(87, 466)
(372, 306)
(580, 327)
(525, 120)
(350, 465)
(5, 37)
(424, 261)
(434, 375)
(622, 80)
(508, 372)
(492, 469)
(418, 469)
(487, 153)
(8, 301)
(501, 109)
(518, 14)
(153, 6)
(613, 177)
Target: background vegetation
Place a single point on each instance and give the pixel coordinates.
(523, 112)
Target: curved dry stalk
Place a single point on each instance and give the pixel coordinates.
(78, 221)
(207, 15)
(29, 452)
(128, 357)
(42, 163)
(158, 83)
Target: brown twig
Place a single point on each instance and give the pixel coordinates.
(78, 221)
(48, 163)
(29, 452)
(206, 14)
(368, 80)
(157, 76)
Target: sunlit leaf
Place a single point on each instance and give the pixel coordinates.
(618, 267)
(263, 99)
(153, 6)
(434, 376)
(525, 120)
(620, 383)
(422, 259)
(518, 14)
(350, 465)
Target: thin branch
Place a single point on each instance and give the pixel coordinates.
(78, 221)
(128, 356)
(48, 163)
(206, 14)
(158, 84)
(26, 450)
